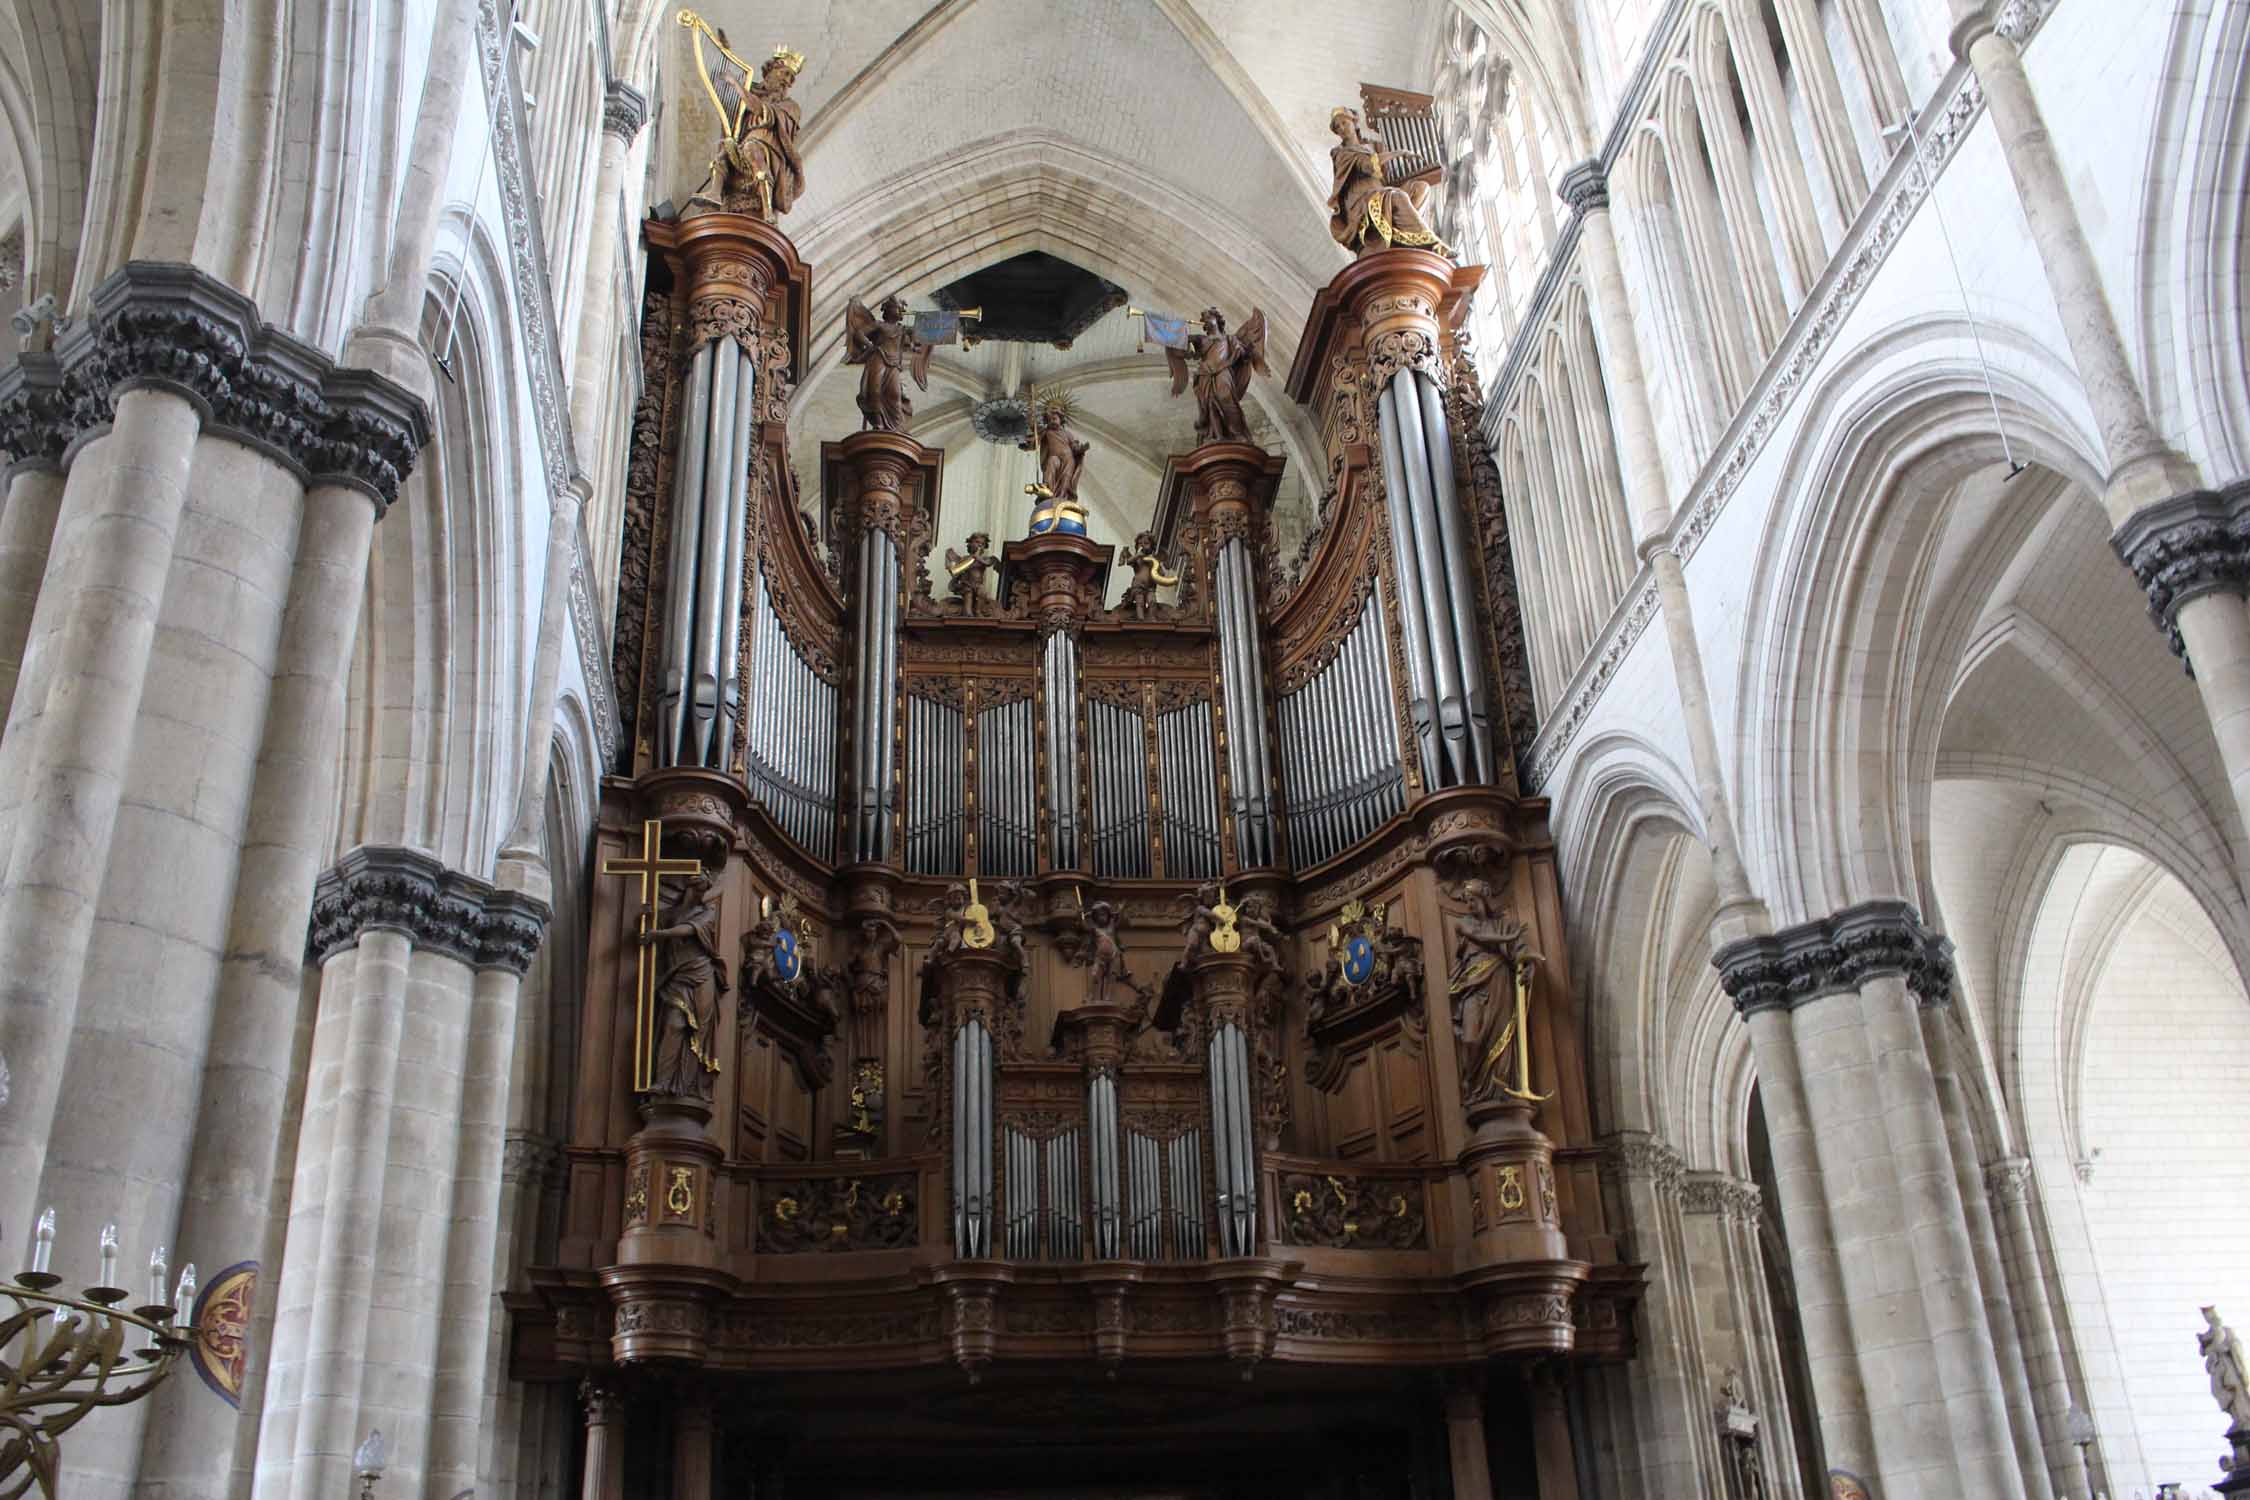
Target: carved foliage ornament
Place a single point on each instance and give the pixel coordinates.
(170, 327)
(2182, 548)
(439, 910)
(1835, 954)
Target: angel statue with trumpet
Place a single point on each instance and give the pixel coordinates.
(758, 169)
(1219, 364)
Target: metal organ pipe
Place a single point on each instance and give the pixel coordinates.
(1456, 544)
(1420, 667)
(687, 515)
(1457, 765)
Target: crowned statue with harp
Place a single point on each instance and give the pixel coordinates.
(758, 170)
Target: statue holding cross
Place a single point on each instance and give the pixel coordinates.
(679, 976)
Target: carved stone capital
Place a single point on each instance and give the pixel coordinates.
(624, 110)
(384, 888)
(527, 1159)
(155, 325)
(1835, 954)
(1704, 1192)
(1585, 187)
(2008, 1180)
(604, 1402)
(2182, 548)
(1637, 1156)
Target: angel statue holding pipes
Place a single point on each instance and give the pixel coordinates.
(758, 169)
(1218, 364)
(883, 349)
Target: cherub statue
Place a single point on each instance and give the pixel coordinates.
(1488, 947)
(1219, 363)
(2222, 1358)
(1095, 946)
(1149, 575)
(1062, 453)
(965, 580)
(691, 978)
(1199, 918)
(761, 958)
(883, 349)
(1365, 211)
(1327, 988)
(1261, 937)
(758, 169)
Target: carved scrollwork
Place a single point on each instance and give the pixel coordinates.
(1399, 349)
(827, 1215)
(1353, 1213)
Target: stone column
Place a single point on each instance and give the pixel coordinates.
(1922, 1351)
(1839, 1391)
(247, 1070)
(392, 1197)
(1586, 190)
(1671, 1448)
(624, 111)
(2008, 1181)
(1992, 1278)
(1464, 1441)
(2195, 573)
(36, 429)
(605, 1442)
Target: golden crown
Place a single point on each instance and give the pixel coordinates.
(793, 61)
(1339, 112)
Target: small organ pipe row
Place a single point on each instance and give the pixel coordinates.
(1044, 1208)
(972, 1140)
(1117, 760)
(700, 700)
(875, 629)
(791, 733)
(1249, 775)
(934, 803)
(1337, 746)
(1233, 1149)
(1164, 1196)
(1186, 777)
(1101, 1119)
(1437, 597)
(1007, 794)
(1059, 668)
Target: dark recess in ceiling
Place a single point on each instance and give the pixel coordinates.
(1035, 298)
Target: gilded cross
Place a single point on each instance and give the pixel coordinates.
(649, 868)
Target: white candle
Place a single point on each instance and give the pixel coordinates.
(109, 1256)
(158, 1274)
(43, 1242)
(183, 1298)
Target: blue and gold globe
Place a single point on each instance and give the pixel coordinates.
(1066, 517)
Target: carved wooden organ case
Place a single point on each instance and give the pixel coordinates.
(919, 1150)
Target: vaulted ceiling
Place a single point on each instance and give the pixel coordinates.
(1177, 148)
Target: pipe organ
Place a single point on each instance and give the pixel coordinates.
(1156, 945)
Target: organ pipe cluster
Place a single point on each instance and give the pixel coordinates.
(701, 697)
(1242, 679)
(874, 710)
(1187, 780)
(1117, 762)
(1007, 790)
(972, 1140)
(1233, 1146)
(792, 733)
(1059, 675)
(1438, 603)
(936, 751)
(1337, 746)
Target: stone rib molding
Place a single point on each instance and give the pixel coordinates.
(2180, 549)
(388, 888)
(162, 325)
(1834, 954)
